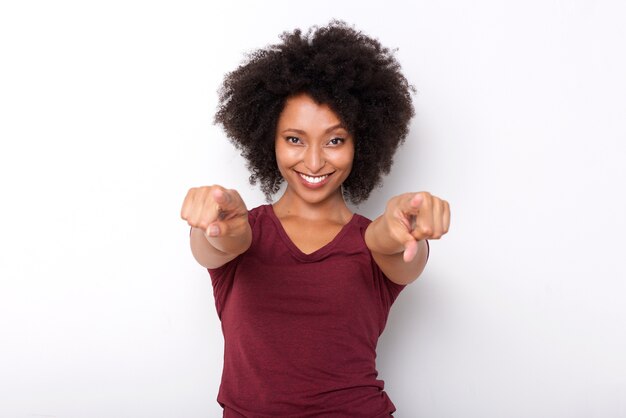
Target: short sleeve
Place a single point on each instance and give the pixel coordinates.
(222, 277)
(252, 216)
(388, 290)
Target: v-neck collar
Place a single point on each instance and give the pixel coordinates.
(297, 252)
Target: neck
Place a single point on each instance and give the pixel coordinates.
(334, 208)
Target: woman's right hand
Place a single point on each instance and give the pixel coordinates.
(219, 212)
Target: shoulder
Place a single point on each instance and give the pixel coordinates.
(361, 222)
(257, 210)
(256, 213)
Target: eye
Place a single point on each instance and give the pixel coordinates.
(336, 141)
(293, 140)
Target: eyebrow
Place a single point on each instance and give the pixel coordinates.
(332, 128)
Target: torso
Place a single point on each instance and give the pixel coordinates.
(301, 329)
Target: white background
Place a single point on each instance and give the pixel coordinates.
(106, 120)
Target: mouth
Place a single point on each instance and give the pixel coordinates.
(314, 181)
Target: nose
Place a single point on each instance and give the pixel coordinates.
(314, 159)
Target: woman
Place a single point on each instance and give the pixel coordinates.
(303, 286)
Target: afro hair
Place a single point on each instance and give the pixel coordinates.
(360, 80)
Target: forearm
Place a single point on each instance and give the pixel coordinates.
(213, 252)
(379, 240)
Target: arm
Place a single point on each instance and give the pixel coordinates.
(397, 238)
(219, 220)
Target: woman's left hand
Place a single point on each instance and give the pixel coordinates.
(412, 217)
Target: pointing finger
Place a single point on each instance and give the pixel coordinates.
(412, 204)
(220, 196)
(416, 200)
(226, 200)
(410, 250)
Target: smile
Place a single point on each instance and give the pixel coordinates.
(313, 181)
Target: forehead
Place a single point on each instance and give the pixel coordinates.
(303, 109)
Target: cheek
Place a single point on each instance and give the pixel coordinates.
(285, 156)
(344, 159)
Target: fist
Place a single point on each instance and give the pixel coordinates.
(413, 217)
(219, 212)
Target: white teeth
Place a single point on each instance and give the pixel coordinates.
(313, 179)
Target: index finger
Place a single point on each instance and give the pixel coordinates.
(412, 203)
(225, 199)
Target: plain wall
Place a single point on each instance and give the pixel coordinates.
(106, 120)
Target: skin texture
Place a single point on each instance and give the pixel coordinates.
(310, 140)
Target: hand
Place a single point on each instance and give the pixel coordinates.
(412, 217)
(219, 212)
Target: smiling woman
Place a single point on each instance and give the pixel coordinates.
(303, 286)
(317, 161)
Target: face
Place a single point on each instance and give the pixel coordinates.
(314, 150)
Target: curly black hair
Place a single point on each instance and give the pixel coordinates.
(336, 65)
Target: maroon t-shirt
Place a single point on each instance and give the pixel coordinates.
(300, 330)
